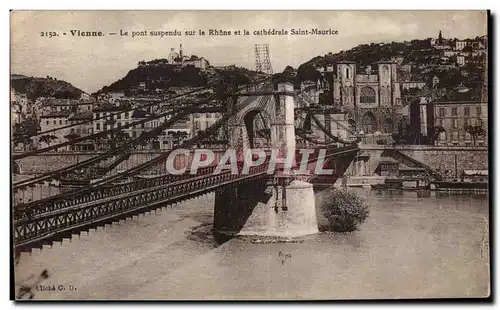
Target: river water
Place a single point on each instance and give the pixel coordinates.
(409, 247)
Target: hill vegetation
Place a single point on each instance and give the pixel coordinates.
(425, 60)
(35, 87)
(159, 74)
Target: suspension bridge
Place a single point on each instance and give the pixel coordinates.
(272, 117)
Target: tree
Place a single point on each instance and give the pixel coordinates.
(344, 210)
(70, 137)
(48, 139)
(475, 132)
(436, 131)
(24, 140)
(121, 136)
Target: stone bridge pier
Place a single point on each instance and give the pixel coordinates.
(277, 206)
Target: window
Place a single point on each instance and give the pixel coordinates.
(455, 123)
(98, 126)
(478, 111)
(207, 115)
(454, 135)
(479, 122)
(60, 122)
(466, 111)
(119, 116)
(367, 95)
(347, 73)
(196, 125)
(454, 111)
(97, 115)
(442, 112)
(55, 122)
(46, 122)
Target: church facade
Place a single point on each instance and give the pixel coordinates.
(370, 99)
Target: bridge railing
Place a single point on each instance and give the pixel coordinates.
(55, 203)
(46, 225)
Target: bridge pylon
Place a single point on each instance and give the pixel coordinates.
(288, 209)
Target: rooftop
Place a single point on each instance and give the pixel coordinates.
(461, 94)
(56, 114)
(81, 116)
(108, 107)
(66, 102)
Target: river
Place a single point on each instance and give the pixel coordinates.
(409, 247)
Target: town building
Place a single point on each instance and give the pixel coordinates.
(177, 133)
(449, 53)
(19, 106)
(460, 45)
(73, 105)
(83, 126)
(413, 84)
(201, 121)
(454, 116)
(117, 117)
(53, 120)
(461, 60)
(461, 113)
(180, 58)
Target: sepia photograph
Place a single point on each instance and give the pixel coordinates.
(297, 155)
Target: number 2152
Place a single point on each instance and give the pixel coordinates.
(48, 34)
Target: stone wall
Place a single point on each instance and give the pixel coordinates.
(443, 158)
(43, 163)
(436, 157)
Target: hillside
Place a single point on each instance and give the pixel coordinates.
(426, 62)
(159, 74)
(35, 87)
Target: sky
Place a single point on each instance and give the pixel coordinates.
(89, 63)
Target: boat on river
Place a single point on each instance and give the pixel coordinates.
(470, 181)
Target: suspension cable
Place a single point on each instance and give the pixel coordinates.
(126, 146)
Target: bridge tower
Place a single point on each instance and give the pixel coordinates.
(283, 121)
(282, 206)
(262, 59)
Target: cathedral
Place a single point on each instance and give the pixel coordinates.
(370, 99)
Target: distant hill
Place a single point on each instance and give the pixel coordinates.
(35, 87)
(424, 59)
(159, 74)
